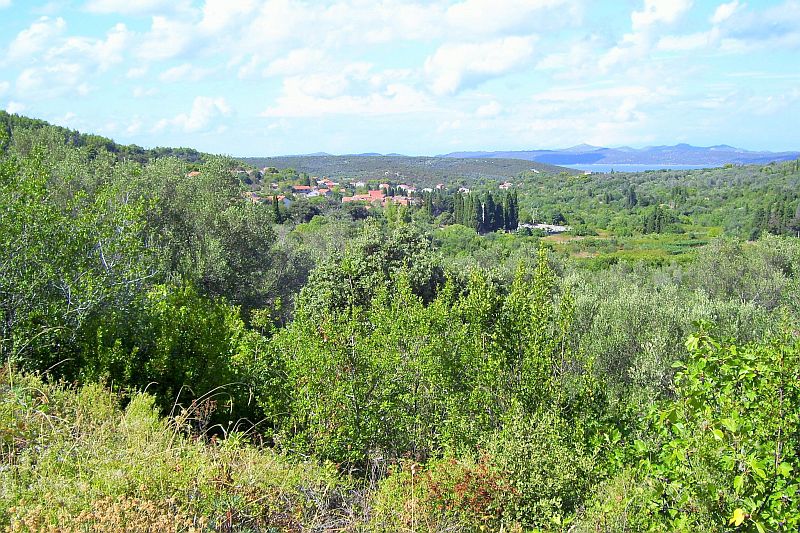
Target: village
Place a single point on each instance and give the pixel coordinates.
(287, 191)
(282, 187)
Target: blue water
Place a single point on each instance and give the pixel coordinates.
(634, 168)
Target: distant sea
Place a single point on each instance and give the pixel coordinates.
(635, 168)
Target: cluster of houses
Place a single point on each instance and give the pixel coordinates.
(321, 188)
(382, 195)
(385, 194)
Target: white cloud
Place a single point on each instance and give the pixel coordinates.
(295, 62)
(738, 31)
(491, 109)
(204, 115)
(453, 66)
(15, 107)
(167, 38)
(134, 127)
(448, 125)
(185, 73)
(636, 46)
(688, 42)
(103, 53)
(616, 110)
(725, 11)
(35, 38)
(4, 86)
(576, 60)
(771, 104)
(5, 3)
(136, 72)
(53, 80)
(129, 7)
(220, 15)
(312, 97)
(141, 92)
(505, 17)
(775, 27)
(655, 11)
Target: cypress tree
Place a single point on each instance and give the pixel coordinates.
(512, 216)
(458, 209)
(488, 213)
(477, 217)
(499, 216)
(276, 210)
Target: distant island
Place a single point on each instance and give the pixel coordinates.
(679, 154)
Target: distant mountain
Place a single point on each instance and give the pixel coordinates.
(419, 170)
(680, 154)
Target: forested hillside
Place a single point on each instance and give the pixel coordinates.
(423, 170)
(178, 355)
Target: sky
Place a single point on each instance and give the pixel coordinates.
(259, 78)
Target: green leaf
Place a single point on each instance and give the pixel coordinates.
(718, 434)
(758, 468)
(785, 470)
(730, 424)
(738, 483)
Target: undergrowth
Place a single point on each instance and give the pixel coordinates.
(74, 460)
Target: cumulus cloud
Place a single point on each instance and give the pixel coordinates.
(131, 7)
(659, 11)
(645, 23)
(295, 62)
(353, 90)
(166, 39)
(185, 73)
(35, 38)
(5, 3)
(53, 80)
(136, 72)
(456, 65)
(737, 30)
(776, 26)
(395, 99)
(142, 92)
(222, 14)
(490, 109)
(101, 52)
(724, 12)
(13, 107)
(206, 113)
(503, 17)
(134, 126)
(688, 42)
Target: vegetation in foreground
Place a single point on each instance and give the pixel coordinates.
(174, 357)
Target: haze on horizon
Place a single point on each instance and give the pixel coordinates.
(250, 77)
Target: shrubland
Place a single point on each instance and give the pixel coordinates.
(174, 358)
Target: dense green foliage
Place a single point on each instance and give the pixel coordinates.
(393, 369)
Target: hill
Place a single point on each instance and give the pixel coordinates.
(420, 170)
(679, 154)
(10, 123)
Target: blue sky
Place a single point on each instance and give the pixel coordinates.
(250, 77)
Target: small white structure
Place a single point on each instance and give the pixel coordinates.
(550, 229)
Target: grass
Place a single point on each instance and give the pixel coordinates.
(73, 459)
(656, 249)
